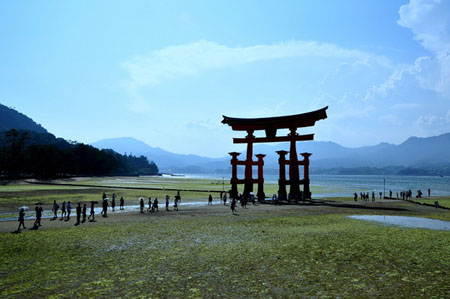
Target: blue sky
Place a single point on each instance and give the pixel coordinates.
(164, 72)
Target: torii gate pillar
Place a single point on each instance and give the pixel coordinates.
(306, 190)
(234, 178)
(282, 194)
(261, 195)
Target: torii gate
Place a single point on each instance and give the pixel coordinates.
(270, 125)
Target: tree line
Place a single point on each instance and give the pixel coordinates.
(42, 155)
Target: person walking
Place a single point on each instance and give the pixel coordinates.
(55, 210)
(225, 199)
(175, 203)
(78, 209)
(21, 219)
(149, 209)
(155, 205)
(92, 212)
(210, 199)
(233, 205)
(167, 202)
(141, 204)
(69, 209)
(39, 210)
(63, 210)
(105, 207)
(122, 203)
(84, 213)
(113, 201)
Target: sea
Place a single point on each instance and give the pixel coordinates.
(346, 185)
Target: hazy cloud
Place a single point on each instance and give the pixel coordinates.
(402, 106)
(429, 21)
(190, 59)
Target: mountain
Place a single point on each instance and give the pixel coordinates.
(12, 119)
(429, 153)
(166, 161)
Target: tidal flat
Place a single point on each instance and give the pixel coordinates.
(311, 250)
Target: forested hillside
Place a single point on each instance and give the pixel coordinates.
(31, 154)
(12, 119)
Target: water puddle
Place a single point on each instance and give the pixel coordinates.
(405, 221)
(47, 214)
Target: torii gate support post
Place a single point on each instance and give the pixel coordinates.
(248, 185)
(261, 195)
(294, 177)
(282, 195)
(234, 178)
(306, 190)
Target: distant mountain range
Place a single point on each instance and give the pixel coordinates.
(429, 155)
(419, 156)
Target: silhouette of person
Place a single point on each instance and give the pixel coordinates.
(35, 224)
(429, 192)
(225, 199)
(113, 201)
(84, 213)
(373, 196)
(69, 209)
(63, 210)
(210, 199)
(141, 204)
(122, 202)
(55, 210)
(155, 204)
(103, 195)
(149, 209)
(355, 196)
(39, 211)
(167, 202)
(233, 205)
(381, 194)
(175, 203)
(21, 219)
(105, 207)
(92, 212)
(78, 209)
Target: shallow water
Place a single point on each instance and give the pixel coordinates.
(47, 214)
(346, 185)
(405, 221)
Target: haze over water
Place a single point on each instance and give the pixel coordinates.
(346, 185)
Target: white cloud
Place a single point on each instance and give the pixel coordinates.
(429, 20)
(190, 59)
(267, 111)
(390, 119)
(402, 106)
(417, 73)
(431, 120)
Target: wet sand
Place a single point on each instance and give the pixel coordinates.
(132, 214)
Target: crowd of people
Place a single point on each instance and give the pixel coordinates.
(63, 212)
(405, 195)
(153, 206)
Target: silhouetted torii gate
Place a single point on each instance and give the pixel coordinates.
(270, 125)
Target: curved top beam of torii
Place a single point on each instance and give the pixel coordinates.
(279, 122)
